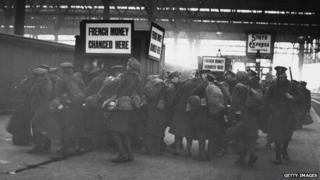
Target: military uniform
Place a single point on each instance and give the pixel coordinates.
(19, 124)
(39, 103)
(127, 87)
(69, 90)
(281, 99)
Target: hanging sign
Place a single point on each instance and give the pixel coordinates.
(215, 64)
(261, 42)
(108, 37)
(156, 42)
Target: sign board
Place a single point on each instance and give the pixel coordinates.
(215, 64)
(156, 42)
(108, 37)
(261, 42)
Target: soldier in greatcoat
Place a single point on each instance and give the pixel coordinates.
(125, 91)
(69, 91)
(40, 96)
(281, 100)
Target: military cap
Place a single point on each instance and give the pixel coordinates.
(203, 71)
(303, 83)
(280, 70)
(66, 65)
(117, 67)
(39, 71)
(174, 74)
(252, 72)
(134, 64)
(242, 76)
(53, 69)
(228, 72)
(44, 66)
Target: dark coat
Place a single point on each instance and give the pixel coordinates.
(20, 121)
(127, 84)
(40, 97)
(182, 123)
(250, 127)
(170, 94)
(283, 110)
(155, 117)
(69, 89)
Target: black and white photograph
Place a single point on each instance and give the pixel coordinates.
(159, 89)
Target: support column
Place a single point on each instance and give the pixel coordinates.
(19, 17)
(301, 58)
(106, 10)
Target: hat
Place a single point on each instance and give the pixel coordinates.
(242, 76)
(39, 71)
(174, 74)
(252, 72)
(280, 70)
(303, 83)
(53, 69)
(211, 77)
(117, 67)
(66, 65)
(203, 71)
(228, 72)
(44, 66)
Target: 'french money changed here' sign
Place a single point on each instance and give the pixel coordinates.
(108, 37)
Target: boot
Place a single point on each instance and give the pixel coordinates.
(242, 157)
(120, 158)
(253, 159)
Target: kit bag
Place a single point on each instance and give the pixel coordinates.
(215, 98)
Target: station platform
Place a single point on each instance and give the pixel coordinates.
(304, 151)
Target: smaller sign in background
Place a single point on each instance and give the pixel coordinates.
(156, 42)
(215, 64)
(262, 41)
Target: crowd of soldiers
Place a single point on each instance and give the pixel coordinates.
(106, 108)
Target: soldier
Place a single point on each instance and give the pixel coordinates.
(245, 128)
(181, 125)
(230, 78)
(281, 99)
(126, 89)
(172, 83)
(69, 89)
(306, 103)
(20, 121)
(155, 115)
(93, 116)
(40, 96)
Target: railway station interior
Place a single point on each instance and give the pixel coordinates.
(164, 36)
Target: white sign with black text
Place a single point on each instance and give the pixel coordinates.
(216, 64)
(108, 38)
(261, 42)
(156, 42)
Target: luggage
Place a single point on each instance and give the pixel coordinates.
(215, 98)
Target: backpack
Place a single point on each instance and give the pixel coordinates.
(215, 98)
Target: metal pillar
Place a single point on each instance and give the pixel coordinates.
(106, 11)
(19, 17)
(301, 58)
